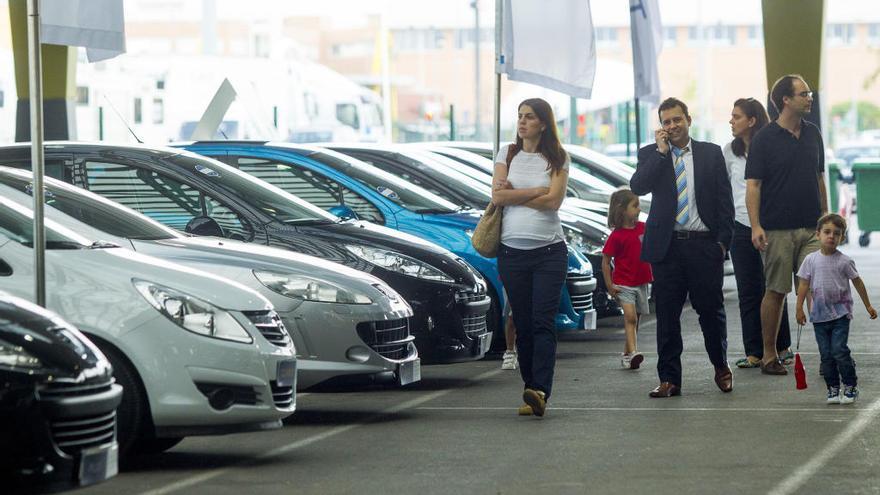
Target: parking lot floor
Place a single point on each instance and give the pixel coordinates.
(457, 431)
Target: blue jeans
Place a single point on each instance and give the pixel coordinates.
(533, 280)
(837, 363)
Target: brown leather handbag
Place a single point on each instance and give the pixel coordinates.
(487, 234)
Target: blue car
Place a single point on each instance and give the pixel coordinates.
(351, 188)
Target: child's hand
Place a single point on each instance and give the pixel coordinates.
(872, 312)
(613, 290)
(801, 317)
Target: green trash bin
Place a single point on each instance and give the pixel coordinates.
(833, 184)
(867, 174)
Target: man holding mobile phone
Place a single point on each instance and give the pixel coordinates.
(687, 235)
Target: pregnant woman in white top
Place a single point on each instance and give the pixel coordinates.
(529, 182)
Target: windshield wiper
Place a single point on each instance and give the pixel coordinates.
(103, 245)
(309, 221)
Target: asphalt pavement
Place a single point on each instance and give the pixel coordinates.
(457, 431)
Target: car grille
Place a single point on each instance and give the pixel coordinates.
(473, 325)
(270, 326)
(580, 302)
(389, 338)
(282, 396)
(75, 434)
(242, 394)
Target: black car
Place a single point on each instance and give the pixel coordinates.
(57, 402)
(462, 185)
(205, 197)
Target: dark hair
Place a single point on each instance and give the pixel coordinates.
(832, 218)
(617, 205)
(548, 145)
(753, 109)
(670, 103)
(784, 86)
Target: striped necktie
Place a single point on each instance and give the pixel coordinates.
(681, 213)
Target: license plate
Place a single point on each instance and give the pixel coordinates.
(286, 374)
(98, 464)
(409, 372)
(590, 320)
(485, 343)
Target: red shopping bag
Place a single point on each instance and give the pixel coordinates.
(800, 374)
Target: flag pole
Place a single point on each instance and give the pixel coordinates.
(499, 59)
(37, 160)
(638, 127)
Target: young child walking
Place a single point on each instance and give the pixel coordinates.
(628, 280)
(826, 274)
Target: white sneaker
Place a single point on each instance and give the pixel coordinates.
(849, 394)
(508, 361)
(626, 360)
(833, 396)
(636, 360)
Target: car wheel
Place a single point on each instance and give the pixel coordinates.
(156, 445)
(132, 415)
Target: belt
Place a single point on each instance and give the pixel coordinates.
(686, 235)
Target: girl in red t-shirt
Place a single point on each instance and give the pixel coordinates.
(628, 280)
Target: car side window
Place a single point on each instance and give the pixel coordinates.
(57, 168)
(318, 190)
(161, 198)
(403, 174)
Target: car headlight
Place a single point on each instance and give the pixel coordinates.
(310, 289)
(397, 262)
(192, 313)
(15, 357)
(574, 239)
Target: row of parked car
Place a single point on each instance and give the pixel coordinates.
(217, 278)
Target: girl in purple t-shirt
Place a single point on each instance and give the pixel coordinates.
(826, 274)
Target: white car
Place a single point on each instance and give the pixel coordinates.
(335, 314)
(187, 347)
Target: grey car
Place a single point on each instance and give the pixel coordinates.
(344, 323)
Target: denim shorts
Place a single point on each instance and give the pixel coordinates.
(635, 295)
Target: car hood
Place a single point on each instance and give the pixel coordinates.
(62, 350)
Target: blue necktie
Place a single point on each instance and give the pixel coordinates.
(681, 213)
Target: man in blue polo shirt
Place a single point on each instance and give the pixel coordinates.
(785, 196)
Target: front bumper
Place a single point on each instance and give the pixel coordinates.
(60, 435)
(199, 386)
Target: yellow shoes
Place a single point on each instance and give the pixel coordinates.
(535, 400)
(524, 410)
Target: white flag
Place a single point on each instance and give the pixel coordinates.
(550, 44)
(98, 25)
(647, 42)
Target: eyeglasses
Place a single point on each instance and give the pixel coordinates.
(805, 94)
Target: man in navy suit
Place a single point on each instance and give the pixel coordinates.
(687, 235)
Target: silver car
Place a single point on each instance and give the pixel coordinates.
(344, 322)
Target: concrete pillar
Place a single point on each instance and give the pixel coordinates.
(793, 36)
(59, 82)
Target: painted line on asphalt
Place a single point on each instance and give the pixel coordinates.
(841, 441)
(651, 409)
(208, 475)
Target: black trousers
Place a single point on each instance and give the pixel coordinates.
(533, 280)
(749, 272)
(692, 268)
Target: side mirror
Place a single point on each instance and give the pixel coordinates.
(202, 225)
(344, 212)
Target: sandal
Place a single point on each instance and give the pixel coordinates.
(749, 362)
(786, 357)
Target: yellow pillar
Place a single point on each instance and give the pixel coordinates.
(793, 35)
(59, 82)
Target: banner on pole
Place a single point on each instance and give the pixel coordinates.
(550, 44)
(647, 42)
(97, 25)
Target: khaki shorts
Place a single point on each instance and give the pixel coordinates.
(786, 250)
(637, 296)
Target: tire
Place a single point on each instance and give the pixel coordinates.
(133, 414)
(153, 445)
(865, 239)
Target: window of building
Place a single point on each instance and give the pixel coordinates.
(347, 113)
(82, 95)
(606, 37)
(721, 35)
(840, 34)
(138, 111)
(158, 111)
(410, 40)
(874, 34)
(756, 35)
(2, 98)
(464, 38)
(670, 36)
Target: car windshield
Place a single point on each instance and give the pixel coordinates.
(477, 184)
(272, 201)
(17, 223)
(581, 158)
(409, 196)
(94, 210)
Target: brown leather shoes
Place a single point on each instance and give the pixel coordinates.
(724, 379)
(665, 389)
(773, 368)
